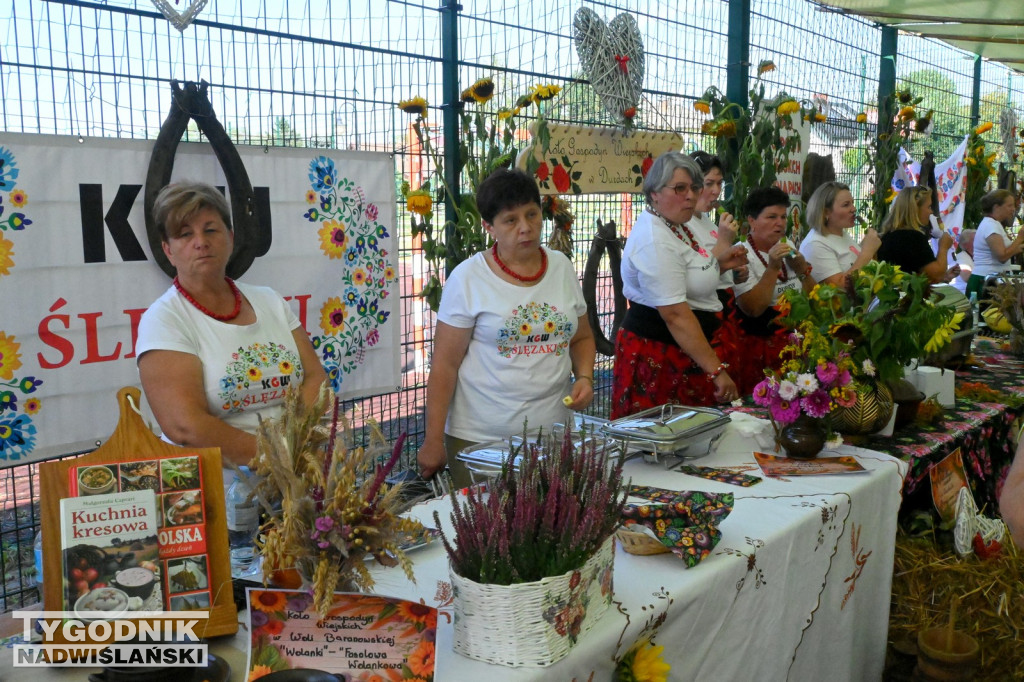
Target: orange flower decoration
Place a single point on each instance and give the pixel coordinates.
(421, 660)
(268, 601)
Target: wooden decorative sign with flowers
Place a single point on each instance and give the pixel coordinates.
(587, 160)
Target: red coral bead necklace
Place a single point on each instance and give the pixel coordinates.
(206, 311)
(522, 278)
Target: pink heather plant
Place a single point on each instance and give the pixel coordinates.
(543, 520)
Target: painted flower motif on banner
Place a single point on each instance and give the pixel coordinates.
(17, 432)
(535, 328)
(348, 230)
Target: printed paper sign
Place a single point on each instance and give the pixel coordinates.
(947, 477)
(365, 637)
(774, 466)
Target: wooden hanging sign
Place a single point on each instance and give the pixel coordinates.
(587, 160)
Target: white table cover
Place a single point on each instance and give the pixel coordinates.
(797, 589)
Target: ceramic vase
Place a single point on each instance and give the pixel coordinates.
(869, 414)
(804, 438)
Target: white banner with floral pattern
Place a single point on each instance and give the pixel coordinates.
(76, 273)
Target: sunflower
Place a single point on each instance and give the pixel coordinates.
(890, 196)
(10, 358)
(862, 117)
(703, 106)
(268, 601)
(907, 114)
(333, 239)
(285, 367)
(765, 66)
(19, 198)
(416, 105)
(504, 114)
(332, 316)
(523, 102)
(479, 92)
(726, 129)
(419, 202)
(6, 251)
(545, 92)
(254, 374)
(983, 128)
(790, 106)
(417, 613)
(421, 660)
(259, 671)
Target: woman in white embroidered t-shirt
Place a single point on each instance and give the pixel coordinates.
(831, 254)
(215, 355)
(511, 330)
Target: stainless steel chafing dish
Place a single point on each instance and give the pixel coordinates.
(486, 459)
(960, 345)
(671, 430)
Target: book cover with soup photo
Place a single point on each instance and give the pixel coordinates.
(180, 565)
(111, 553)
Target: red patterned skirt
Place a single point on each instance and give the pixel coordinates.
(649, 373)
(749, 354)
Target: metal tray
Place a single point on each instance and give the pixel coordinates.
(678, 430)
(484, 460)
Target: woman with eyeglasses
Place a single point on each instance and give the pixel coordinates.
(904, 241)
(831, 254)
(663, 351)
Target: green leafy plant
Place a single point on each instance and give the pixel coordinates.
(884, 147)
(884, 315)
(754, 142)
(980, 168)
(487, 141)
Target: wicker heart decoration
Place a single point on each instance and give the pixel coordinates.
(612, 56)
(180, 21)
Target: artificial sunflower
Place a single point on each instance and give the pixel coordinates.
(765, 66)
(703, 106)
(479, 92)
(416, 105)
(790, 106)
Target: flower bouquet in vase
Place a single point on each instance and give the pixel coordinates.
(814, 379)
(531, 560)
(882, 318)
(327, 506)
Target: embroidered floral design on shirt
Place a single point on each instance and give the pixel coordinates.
(262, 367)
(535, 329)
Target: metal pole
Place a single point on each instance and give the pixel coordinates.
(738, 57)
(976, 93)
(450, 119)
(887, 79)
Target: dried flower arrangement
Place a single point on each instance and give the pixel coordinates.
(543, 520)
(328, 506)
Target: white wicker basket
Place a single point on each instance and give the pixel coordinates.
(532, 624)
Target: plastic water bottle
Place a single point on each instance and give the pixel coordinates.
(38, 545)
(974, 317)
(243, 522)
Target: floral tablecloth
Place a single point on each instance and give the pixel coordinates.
(983, 431)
